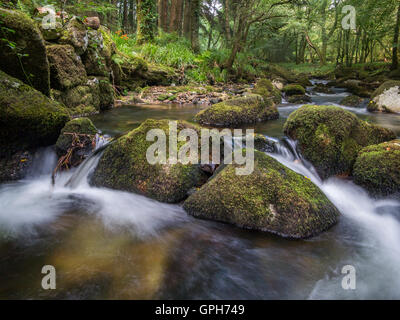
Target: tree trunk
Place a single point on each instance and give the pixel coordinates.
(227, 27)
(146, 20)
(195, 25)
(187, 14)
(163, 15)
(125, 17)
(395, 60)
(176, 16)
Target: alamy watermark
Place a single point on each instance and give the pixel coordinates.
(188, 153)
(349, 21)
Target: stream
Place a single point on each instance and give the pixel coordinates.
(108, 244)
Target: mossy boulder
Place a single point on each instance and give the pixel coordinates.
(299, 98)
(95, 59)
(266, 89)
(377, 168)
(386, 98)
(95, 95)
(66, 67)
(322, 88)
(352, 101)
(124, 166)
(28, 118)
(331, 137)
(251, 108)
(78, 136)
(49, 32)
(293, 89)
(23, 51)
(272, 198)
(75, 33)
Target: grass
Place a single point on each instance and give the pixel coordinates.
(174, 51)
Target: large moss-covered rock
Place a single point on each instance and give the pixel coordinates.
(66, 67)
(330, 137)
(23, 51)
(377, 168)
(272, 198)
(49, 32)
(294, 89)
(27, 117)
(266, 89)
(75, 33)
(246, 109)
(124, 166)
(386, 98)
(95, 59)
(95, 95)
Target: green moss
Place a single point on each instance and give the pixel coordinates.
(352, 101)
(27, 61)
(299, 98)
(28, 118)
(377, 168)
(251, 108)
(273, 198)
(66, 68)
(78, 125)
(330, 137)
(75, 33)
(265, 88)
(294, 89)
(124, 166)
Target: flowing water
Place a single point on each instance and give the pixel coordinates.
(107, 244)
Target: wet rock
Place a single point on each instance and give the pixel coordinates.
(272, 198)
(386, 98)
(247, 109)
(78, 135)
(293, 89)
(29, 50)
(321, 88)
(299, 98)
(28, 118)
(15, 167)
(352, 101)
(124, 166)
(331, 137)
(266, 89)
(377, 168)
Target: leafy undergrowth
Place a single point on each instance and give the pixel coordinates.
(174, 51)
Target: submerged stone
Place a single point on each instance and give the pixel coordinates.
(272, 198)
